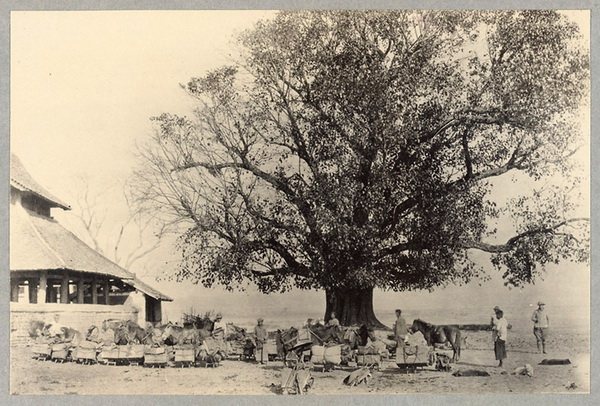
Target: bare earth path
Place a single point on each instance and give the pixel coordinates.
(29, 376)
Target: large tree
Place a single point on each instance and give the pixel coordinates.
(348, 150)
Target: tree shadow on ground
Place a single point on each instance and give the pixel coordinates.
(271, 367)
(470, 364)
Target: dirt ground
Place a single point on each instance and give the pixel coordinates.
(29, 376)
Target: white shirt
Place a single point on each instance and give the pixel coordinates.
(55, 328)
(501, 329)
(222, 326)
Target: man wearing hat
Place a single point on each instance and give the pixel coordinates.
(261, 338)
(541, 323)
(500, 333)
(494, 319)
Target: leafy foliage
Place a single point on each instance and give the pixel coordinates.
(360, 149)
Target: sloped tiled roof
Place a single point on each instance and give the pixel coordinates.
(147, 289)
(38, 242)
(41, 243)
(22, 180)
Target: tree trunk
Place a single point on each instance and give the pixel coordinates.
(352, 307)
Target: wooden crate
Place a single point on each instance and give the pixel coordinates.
(85, 354)
(185, 354)
(110, 352)
(368, 359)
(41, 350)
(59, 352)
(154, 350)
(133, 351)
(270, 348)
(159, 360)
(413, 355)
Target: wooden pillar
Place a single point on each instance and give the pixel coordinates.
(51, 292)
(80, 289)
(64, 289)
(41, 293)
(14, 289)
(94, 291)
(33, 290)
(106, 292)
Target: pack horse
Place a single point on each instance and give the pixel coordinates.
(439, 335)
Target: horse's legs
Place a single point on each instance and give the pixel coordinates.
(455, 342)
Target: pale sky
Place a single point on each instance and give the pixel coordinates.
(84, 85)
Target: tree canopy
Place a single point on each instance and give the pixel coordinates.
(348, 150)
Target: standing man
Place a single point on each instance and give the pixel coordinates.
(261, 338)
(400, 329)
(541, 322)
(500, 333)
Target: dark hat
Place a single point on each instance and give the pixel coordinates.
(497, 308)
(541, 303)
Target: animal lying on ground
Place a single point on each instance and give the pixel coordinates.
(471, 372)
(556, 362)
(525, 370)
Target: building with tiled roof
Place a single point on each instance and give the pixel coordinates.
(50, 265)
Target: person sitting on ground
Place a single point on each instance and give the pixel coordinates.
(261, 338)
(333, 322)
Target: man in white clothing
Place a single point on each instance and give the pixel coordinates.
(500, 335)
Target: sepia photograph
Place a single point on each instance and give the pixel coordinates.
(299, 202)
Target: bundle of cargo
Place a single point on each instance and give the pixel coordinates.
(409, 358)
(211, 352)
(207, 360)
(326, 357)
(368, 356)
(235, 349)
(185, 355)
(155, 357)
(41, 351)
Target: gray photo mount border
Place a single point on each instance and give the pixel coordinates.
(6, 6)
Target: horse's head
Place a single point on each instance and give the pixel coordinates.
(417, 325)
